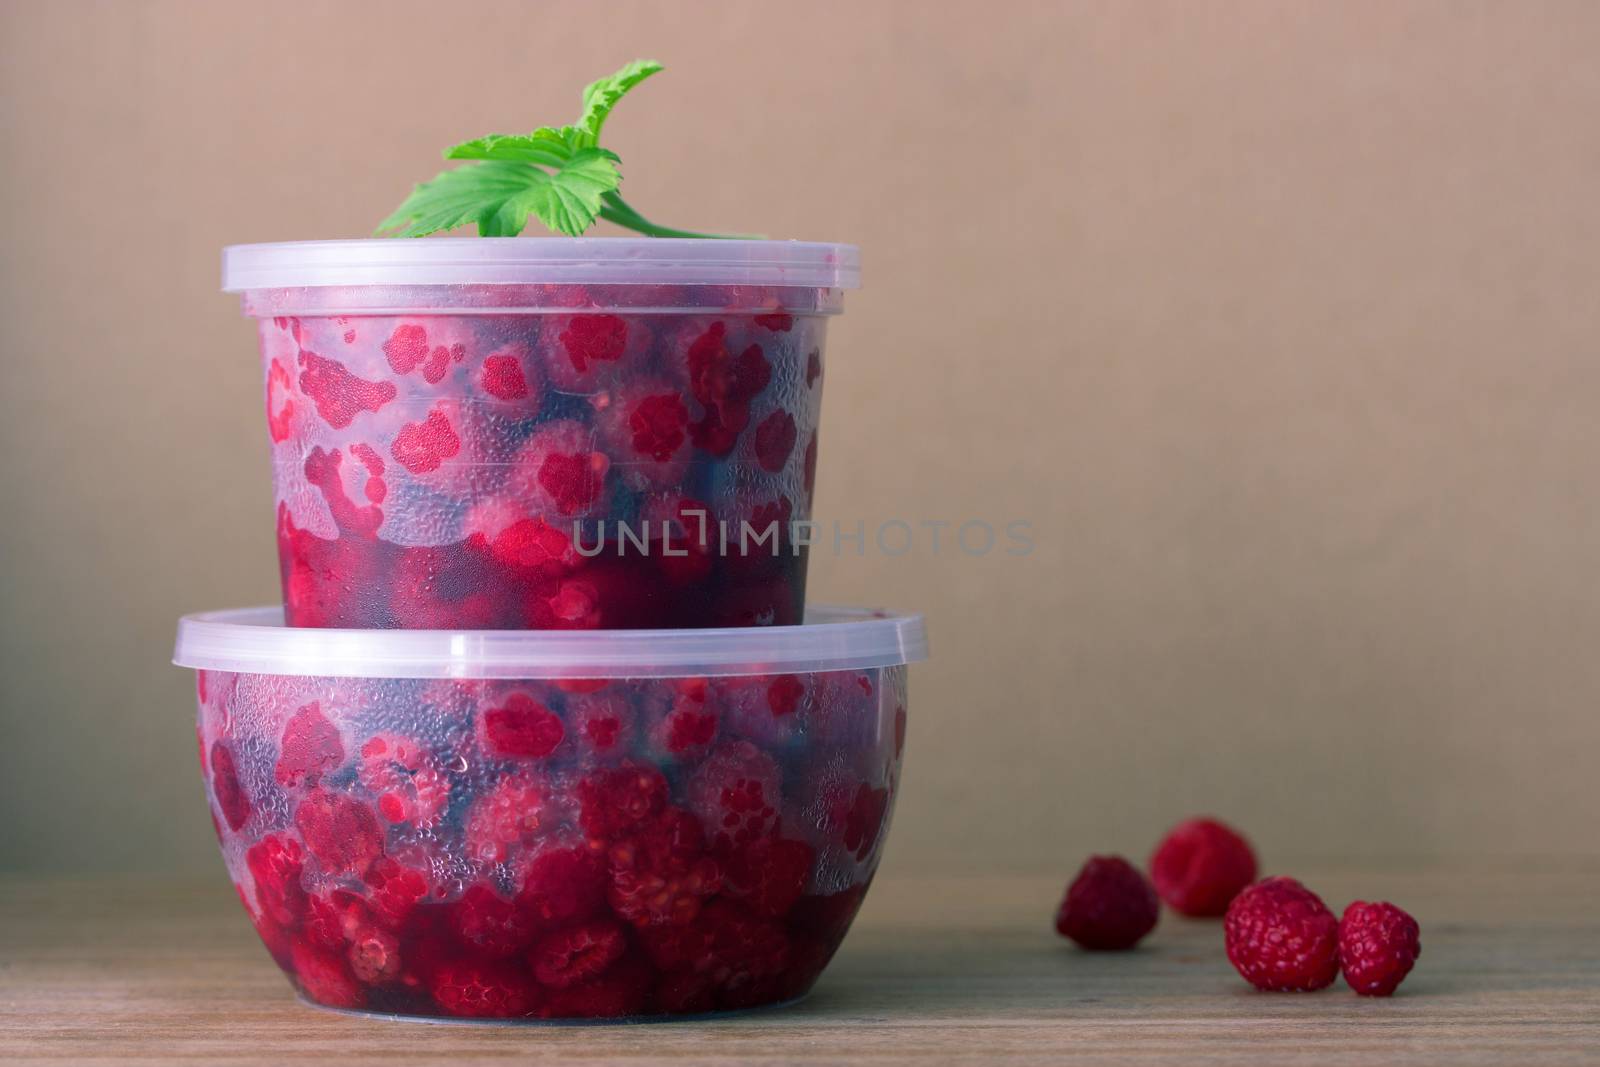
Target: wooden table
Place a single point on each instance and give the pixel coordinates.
(936, 971)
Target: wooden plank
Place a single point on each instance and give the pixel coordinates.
(937, 971)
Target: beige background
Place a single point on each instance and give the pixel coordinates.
(1278, 321)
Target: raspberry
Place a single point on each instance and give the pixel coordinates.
(522, 727)
(864, 821)
(735, 793)
(769, 875)
(776, 321)
(276, 863)
(689, 725)
(509, 815)
(409, 783)
(1109, 905)
(325, 978)
(1200, 866)
(487, 990)
(342, 833)
(488, 924)
(280, 403)
(661, 874)
(408, 347)
(620, 991)
(656, 426)
(311, 747)
(774, 440)
(563, 885)
(594, 338)
(613, 802)
(559, 472)
(376, 489)
(602, 722)
(421, 447)
(396, 891)
(1281, 936)
(231, 797)
(322, 471)
(503, 378)
(340, 396)
(577, 954)
(1378, 946)
(333, 918)
(374, 955)
(784, 693)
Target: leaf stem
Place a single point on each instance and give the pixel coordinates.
(616, 210)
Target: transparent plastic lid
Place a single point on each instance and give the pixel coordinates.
(255, 641)
(539, 261)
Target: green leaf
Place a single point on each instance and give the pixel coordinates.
(498, 195)
(600, 96)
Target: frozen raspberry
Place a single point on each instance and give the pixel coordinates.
(563, 885)
(375, 489)
(613, 802)
(602, 722)
(231, 797)
(688, 725)
(410, 347)
(325, 977)
(1281, 936)
(784, 693)
(774, 440)
(507, 817)
(276, 864)
(342, 833)
(311, 747)
(332, 918)
(488, 990)
(863, 822)
(594, 339)
(559, 472)
(517, 540)
(735, 792)
(406, 778)
(743, 950)
(620, 991)
(373, 955)
(1378, 946)
(507, 375)
(661, 873)
(769, 875)
(322, 469)
(395, 891)
(340, 396)
(522, 727)
(724, 385)
(423, 446)
(578, 953)
(776, 321)
(489, 925)
(280, 402)
(1200, 865)
(1109, 905)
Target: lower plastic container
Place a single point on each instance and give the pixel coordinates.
(551, 825)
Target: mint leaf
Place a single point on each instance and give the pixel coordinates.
(498, 195)
(601, 95)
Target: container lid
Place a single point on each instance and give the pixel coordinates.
(540, 261)
(255, 641)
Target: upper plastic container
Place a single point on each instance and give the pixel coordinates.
(483, 432)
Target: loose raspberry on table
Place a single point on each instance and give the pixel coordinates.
(1108, 906)
(1281, 936)
(1200, 866)
(1378, 946)
(522, 727)
(342, 833)
(230, 794)
(311, 747)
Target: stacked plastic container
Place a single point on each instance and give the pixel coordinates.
(544, 729)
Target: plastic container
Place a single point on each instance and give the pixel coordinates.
(544, 433)
(551, 825)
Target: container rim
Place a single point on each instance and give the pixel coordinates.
(540, 261)
(255, 641)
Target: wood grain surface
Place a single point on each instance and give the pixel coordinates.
(936, 971)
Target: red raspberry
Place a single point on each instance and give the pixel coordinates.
(573, 480)
(864, 821)
(276, 863)
(342, 833)
(280, 403)
(508, 816)
(1108, 906)
(661, 874)
(231, 797)
(602, 722)
(489, 925)
(563, 885)
(325, 978)
(594, 338)
(1281, 936)
(374, 955)
(620, 991)
(779, 321)
(311, 747)
(578, 953)
(735, 792)
(421, 447)
(769, 875)
(489, 990)
(396, 891)
(339, 395)
(774, 440)
(784, 693)
(522, 727)
(406, 778)
(323, 470)
(1378, 946)
(1200, 866)
(613, 802)
(333, 918)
